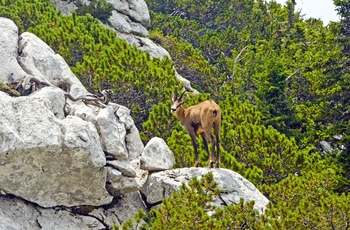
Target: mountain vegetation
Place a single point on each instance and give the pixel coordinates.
(282, 82)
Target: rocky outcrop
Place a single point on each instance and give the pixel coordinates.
(54, 151)
(232, 185)
(10, 68)
(38, 59)
(41, 156)
(18, 214)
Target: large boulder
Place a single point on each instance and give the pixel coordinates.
(17, 214)
(123, 23)
(136, 10)
(39, 60)
(232, 185)
(157, 156)
(46, 160)
(10, 69)
(113, 134)
(53, 150)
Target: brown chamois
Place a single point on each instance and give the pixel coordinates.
(200, 119)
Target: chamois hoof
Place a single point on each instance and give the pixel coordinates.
(212, 164)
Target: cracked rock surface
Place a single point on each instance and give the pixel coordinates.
(53, 151)
(232, 185)
(51, 155)
(16, 213)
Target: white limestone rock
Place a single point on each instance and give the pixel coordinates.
(122, 23)
(46, 160)
(141, 174)
(124, 167)
(123, 114)
(125, 208)
(232, 185)
(17, 214)
(136, 10)
(133, 141)
(157, 156)
(65, 7)
(10, 69)
(53, 98)
(57, 220)
(326, 147)
(118, 184)
(39, 60)
(144, 44)
(112, 134)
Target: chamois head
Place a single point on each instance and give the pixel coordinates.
(176, 101)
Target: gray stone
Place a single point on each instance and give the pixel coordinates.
(50, 219)
(141, 174)
(125, 208)
(53, 98)
(136, 10)
(118, 184)
(144, 44)
(79, 109)
(233, 186)
(119, 22)
(133, 143)
(10, 69)
(122, 23)
(39, 60)
(338, 137)
(112, 134)
(123, 114)
(16, 214)
(124, 167)
(66, 7)
(157, 156)
(49, 161)
(326, 147)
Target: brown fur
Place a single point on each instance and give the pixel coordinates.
(200, 119)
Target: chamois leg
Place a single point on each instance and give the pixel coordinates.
(218, 161)
(217, 135)
(205, 143)
(194, 143)
(210, 137)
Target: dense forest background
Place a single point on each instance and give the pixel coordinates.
(283, 83)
